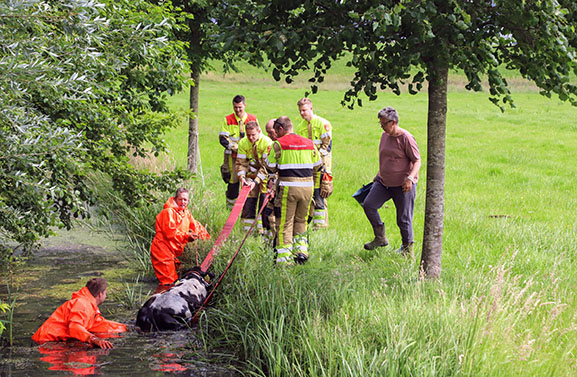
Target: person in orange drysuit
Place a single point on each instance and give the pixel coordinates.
(79, 317)
(175, 226)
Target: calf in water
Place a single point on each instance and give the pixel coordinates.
(173, 309)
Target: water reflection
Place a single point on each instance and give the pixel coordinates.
(134, 354)
(78, 358)
(167, 363)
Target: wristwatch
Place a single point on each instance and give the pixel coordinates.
(411, 179)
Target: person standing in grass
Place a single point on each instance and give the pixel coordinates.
(318, 130)
(232, 131)
(79, 317)
(399, 164)
(296, 161)
(269, 210)
(175, 226)
(251, 170)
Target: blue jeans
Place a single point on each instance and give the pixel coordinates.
(404, 204)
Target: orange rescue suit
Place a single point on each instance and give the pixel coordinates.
(77, 318)
(172, 234)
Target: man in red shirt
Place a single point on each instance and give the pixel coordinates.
(399, 164)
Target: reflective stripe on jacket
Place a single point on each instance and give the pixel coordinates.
(321, 135)
(295, 159)
(230, 134)
(249, 164)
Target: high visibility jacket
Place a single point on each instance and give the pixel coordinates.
(250, 160)
(295, 158)
(233, 130)
(77, 318)
(319, 130)
(172, 226)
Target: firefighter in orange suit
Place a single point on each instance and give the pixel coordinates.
(251, 169)
(296, 161)
(232, 132)
(79, 317)
(319, 130)
(175, 226)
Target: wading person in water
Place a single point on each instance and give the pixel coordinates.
(79, 317)
(175, 226)
(399, 164)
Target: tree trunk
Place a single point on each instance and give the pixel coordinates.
(193, 150)
(435, 202)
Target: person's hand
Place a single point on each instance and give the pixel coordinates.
(271, 183)
(270, 191)
(100, 343)
(407, 185)
(248, 182)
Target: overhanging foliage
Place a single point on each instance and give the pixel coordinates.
(83, 85)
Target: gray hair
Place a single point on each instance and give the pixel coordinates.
(389, 113)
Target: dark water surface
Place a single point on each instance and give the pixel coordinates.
(49, 279)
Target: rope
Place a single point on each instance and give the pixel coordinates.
(205, 303)
(234, 214)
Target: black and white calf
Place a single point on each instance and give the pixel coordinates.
(173, 309)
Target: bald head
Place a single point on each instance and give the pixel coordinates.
(270, 129)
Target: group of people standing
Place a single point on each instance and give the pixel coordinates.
(292, 162)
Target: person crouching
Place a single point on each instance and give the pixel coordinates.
(79, 317)
(175, 226)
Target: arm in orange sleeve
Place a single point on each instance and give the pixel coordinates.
(198, 230)
(79, 318)
(167, 223)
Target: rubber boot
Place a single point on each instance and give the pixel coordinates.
(301, 258)
(380, 238)
(407, 250)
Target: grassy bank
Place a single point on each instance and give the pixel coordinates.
(504, 305)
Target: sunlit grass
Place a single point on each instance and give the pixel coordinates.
(504, 305)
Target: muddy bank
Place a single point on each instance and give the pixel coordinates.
(62, 266)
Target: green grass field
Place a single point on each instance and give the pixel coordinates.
(504, 305)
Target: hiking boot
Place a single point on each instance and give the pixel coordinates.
(301, 258)
(406, 250)
(380, 238)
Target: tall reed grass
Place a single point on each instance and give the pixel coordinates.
(359, 321)
(504, 305)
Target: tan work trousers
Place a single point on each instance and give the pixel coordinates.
(291, 209)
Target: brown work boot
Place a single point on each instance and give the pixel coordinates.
(380, 238)
(407, 250)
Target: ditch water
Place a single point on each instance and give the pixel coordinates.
(60, 267)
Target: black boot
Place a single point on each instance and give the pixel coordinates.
(407, 250)
(380, 238)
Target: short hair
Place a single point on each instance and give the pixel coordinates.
(389, 113)
(304, 101)
(180, 191)
(238, 99)
(253, 124)
(283, 122)
(96, 286)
